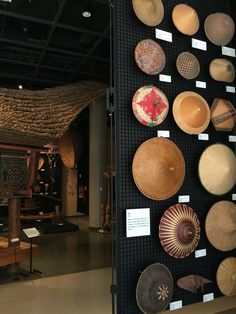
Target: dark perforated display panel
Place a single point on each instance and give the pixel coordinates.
(135, 254)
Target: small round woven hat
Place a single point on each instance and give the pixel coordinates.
(187, 65)
(222, 70)
(223, 115)
(191, 112)
(158, 168)
(219, 28)
(150, 57)
(154, 289)
(217, 169)
(220, 225)
(226, 276)
(150, 105)
(150, 12)
(179, 230)
(185, 19)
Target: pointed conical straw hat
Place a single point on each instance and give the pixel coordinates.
(150, 12)
(185, 19)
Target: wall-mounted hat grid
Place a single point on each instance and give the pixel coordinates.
(176, 165)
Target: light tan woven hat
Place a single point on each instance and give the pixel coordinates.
(158, 168)
(191, 112)
(185, 19)
(220, 225)
(217, 169)
(150, 12)
(68, 149)
(219, 28)
(223, 115)
(222, 70)
(226, 276)
(187, 65)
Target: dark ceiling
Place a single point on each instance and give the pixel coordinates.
(46, 43)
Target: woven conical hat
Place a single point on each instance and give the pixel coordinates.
(158, 168)
(191, 112)
(226, 276)
(219, 28)
(179, 230)
(222, 70)
(150, 12)
(185, 19)
(68, 149)
(187, 65)
(217, 169)
(220, 225)
(154, 289)
(223, 115)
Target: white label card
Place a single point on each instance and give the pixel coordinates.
(203, 137)
(201, 84)
(163, 35)
(232, 138)
(184, 198)
(176, 305)
(31, 232)
(233, 197)
(208, 297)
(200, 253)
(199, 44)
(230, 89)
(163, 133)
(164, 78)
(227, 51)
(138, 222)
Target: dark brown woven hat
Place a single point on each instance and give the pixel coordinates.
(226, 276)
(154, 289)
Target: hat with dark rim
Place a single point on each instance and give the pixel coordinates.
(185, 19)
(150, 12)
(226, 276)
(223, 115)
(222, 70)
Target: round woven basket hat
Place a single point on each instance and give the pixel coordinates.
(68, 149)
(150, 57)
(154, 289)
(220, 225)
(158, 168)
(223, 115)
(150, 105)
(191, 112)
(222, 70)
(185, 19)
(187, 65)
(219, 28)
(226, 276)
(179, 230)
(217, 169)
(150, 12)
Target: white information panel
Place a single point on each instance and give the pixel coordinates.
(200, 253)
(164, 78)
(184, 198)
(163, 133)
(138, 222)
(199, 44)
(208, 297)
(230, 89)
(203, 137)
(201, 84)
(176, 305)
(232, 138)
(233, 197)
(227, 51)
(163, 35)
(31, 233)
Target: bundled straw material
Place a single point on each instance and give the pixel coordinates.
(40, 117)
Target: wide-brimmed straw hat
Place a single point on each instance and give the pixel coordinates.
(226, 276)
(150, 12)
(185, 19)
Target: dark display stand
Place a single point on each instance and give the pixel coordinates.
(135, 254)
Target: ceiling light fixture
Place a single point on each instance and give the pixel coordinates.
(86, 14)
(20, 86)
(6, 0)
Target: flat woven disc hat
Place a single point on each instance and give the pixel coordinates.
(150, 12)
(150, 105)
(154, 289)
(179, 230)
(223, 115)
(220, 225)
(187, 65)
(191, 112)
(226, 276)
(150, 57)
(158, 168)
(222, 70)
(185, 19)
(217, 169)
(219, 28)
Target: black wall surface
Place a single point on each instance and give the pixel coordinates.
(135, 254)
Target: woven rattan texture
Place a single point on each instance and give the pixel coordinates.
(135, 254)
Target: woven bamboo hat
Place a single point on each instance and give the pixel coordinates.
(154, 289)
(150, 105)
(150, 57)
(217, 169)
(191, 112)
(185, 19)
(226, 276)
(158, 168)
(187, 65)
(223, 115)
(222, 70)
(219, 28)
(220, 225)
(179, 230)
(150, 12)
(68, 149)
